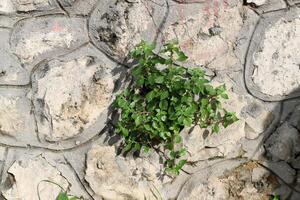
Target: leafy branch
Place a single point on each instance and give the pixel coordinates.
(162, 99)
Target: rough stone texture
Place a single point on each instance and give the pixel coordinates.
(66, 104)
(117, 26)
(6, 6)
(108, 176)
(63, 61)
(35, 39)
(36, 170)
(15, 118)
(11, 70)
(34, 5)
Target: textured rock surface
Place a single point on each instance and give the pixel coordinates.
(63, 61)
(70, 95)
(36, 170)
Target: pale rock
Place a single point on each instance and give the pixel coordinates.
(258, 174)
(277, 63)
(120, 27)
(30, 176)
(33, 5)
(283, 144)
(109, 177)
(70, 96)
(7, 6)
(35, 39)
(15, 117)
(257, 2)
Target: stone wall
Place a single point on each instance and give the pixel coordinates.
(63, 61)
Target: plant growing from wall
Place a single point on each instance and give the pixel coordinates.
(162, 99)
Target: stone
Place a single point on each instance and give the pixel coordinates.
(257, 2)
(117, 26)
(108, 176)
(206, 38)
(283, 170)
(79, 7)
(277, 71)
(33, 40)
(16, 120)
(259, 173)
(66, 105)
(34, 5)
(283, 144)
(294, 119)
(11, 70)
(7, 6)
(37, 170)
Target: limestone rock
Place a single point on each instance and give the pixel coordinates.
(35, 39)
(70, 95)
(193, 29)
(283, 170)
(117, 26)
(11, 70)
(108, 176)
(15, 118)
(284, 143)
(34, 5)
(277, 61)
(81, 7)
(29, 176)
(7, 6)
(257, 2)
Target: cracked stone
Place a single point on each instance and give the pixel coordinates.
(11, 70)
(34, 5)
(44, 37)
(119, 25)
(65, 104)
(7, 6)
(109, 176)
(15, 114)
(79, 7)
(257, 2)
(278, 75)
(37, 170)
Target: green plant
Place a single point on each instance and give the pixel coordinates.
(163, 98)
(63, 195)
(276, 197)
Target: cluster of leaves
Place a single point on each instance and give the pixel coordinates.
(162, 99)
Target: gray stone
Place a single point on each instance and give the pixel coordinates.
(34, 5)
(272, 65)
(283, 170)
(33, 40)
(284, 143)
(79, 7)
(16, 119)
(117, 26)
(6, 6)
(12, 72)
(65, 105)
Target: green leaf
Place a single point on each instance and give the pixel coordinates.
(187, 122)
(177, 139)
(62, 196)
(138, 120)
(181, 56)
(159, 79)
(224, 96)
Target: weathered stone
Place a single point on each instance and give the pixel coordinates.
(283, 170)
(11, 70)
(109, 176)
(16, 119)
(81, 7)
(44, 37)
(66, 105)
(284, 143)
(195, 32)
(272, 71)
(34, 5)
(257, 2)
(7, 6)
(37, 170)
(278, 61)
(117, 26)
(259, 173)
